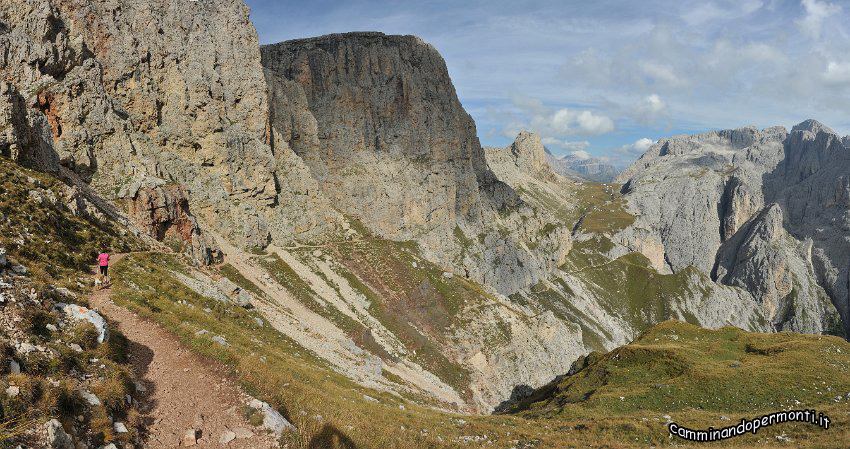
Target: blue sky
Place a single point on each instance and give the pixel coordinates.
(607, 78)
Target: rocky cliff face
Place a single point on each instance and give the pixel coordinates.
(130, 89)
(381, 129)
(758, 209)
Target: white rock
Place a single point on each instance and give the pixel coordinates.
(81, 313)
(244, 299)
(259, 321)
(3, 260)
(243, 433)
(220, 340)
(272, 419)
(15, 368)
(448, 275)
(369, 398)
(90, 397)
(56, 436)
(75, 347)
(190, 437)
(51, 327)
(119, 427)
(13, 391)
(227, 436)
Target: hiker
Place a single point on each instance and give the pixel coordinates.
(103, 261)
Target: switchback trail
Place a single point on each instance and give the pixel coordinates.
(180, 390)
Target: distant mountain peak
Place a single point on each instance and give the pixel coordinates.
(813, 126)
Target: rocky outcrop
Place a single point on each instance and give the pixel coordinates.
(162, 211)
(758, 209)
(526, 153)
(377, 121)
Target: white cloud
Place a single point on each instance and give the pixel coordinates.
(569, 145)
(816, 13)
(556, 123)
(637, 147)
(837, 72)
(581, 155)
(662, 73)
(708, 11)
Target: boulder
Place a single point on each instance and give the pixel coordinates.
(272, 419)
(244, 299)
(78, 312)
(56, 436)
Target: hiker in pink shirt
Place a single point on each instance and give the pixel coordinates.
(103, 261)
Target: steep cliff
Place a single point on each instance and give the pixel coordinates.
(758, 209)
(389, 144)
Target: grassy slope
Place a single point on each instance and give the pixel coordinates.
(58, 249)
(277, 370)
(696, 375)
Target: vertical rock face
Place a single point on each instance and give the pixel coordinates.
(153, 88)
(385, 110)
(529, 153)
(763, 210)
(377, 121)
(162, 210)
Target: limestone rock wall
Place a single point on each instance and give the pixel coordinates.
(763, 210)
(377, 121)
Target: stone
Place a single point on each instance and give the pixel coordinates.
(226, 437)
(56, 436)
(90, 397)
(14, 367)
(272, 419)
(75, 347)
(369, 398)
(259, 321)
(244, 299)
(13, 391)
(227, 286)
(243, 433)
(220, 340)
(19, 269)
(3, 261)
(190, 438)
(119, 427)
(77, 312)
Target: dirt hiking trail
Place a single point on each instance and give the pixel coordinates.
(180, 391)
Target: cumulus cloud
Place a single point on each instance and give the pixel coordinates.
(637, 147)
(568, 122)
(815, 13)
(553, 124)
(580, 155)
(837, 72)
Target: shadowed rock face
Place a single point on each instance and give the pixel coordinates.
(763, 210)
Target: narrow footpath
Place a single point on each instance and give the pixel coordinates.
(181, 392)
